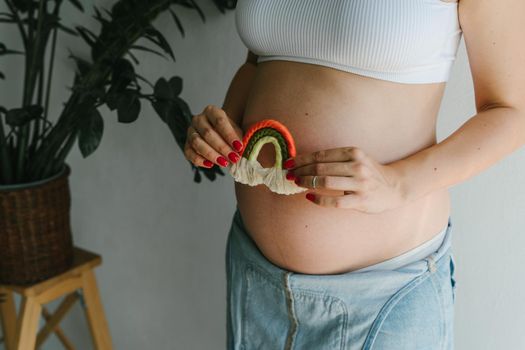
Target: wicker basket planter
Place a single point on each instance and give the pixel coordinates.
(35, 231)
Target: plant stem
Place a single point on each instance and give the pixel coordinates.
(61, 157)
(5, 171)
(32, 70)
(56, 11)
(36, 122)
(50, 72)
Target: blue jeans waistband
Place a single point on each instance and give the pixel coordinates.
(251, 252)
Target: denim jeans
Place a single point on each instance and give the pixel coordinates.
(268, 307)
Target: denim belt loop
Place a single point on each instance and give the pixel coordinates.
(431, 264)
(291, 311)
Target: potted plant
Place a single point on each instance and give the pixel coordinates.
(35, 234)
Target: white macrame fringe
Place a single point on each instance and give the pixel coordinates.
(251, 172)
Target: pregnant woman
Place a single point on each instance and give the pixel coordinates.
(362, 258)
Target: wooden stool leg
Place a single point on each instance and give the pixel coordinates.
(54, 320)
(8, 319)
(95, 312)
(28, 323)
(68, 345)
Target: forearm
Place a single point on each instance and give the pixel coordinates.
(480, 142)
(237, 94)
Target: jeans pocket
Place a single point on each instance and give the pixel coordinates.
(453, 276)
(265, 322)
(412, 319)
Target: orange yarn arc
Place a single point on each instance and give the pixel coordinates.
(274, 124)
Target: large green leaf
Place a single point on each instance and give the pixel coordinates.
(168, 89)
(162, 90)
(21, 116)
(175, 114)
(176, 86)
(90, 132)
(128, 106)
(123, 74)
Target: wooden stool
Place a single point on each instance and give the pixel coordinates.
(78, 282)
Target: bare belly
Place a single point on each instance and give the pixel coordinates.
(327, 108)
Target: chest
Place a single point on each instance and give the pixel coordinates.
(374, 34)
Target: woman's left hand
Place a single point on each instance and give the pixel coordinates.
(368, 186)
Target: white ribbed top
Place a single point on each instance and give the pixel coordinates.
(406, 41)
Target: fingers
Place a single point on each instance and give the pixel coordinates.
(334, 169)
(338, 183)
(341, 154)
(223, 125)
(352, 176)
(200, 146)
(214, 136)
(195, 158)
(347, 201)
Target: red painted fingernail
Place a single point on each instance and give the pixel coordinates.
(289, 164)
(290, 176)
(222, 161)
(234, 157)
(208, 164)
(297, 179)
(310, 196)
(237, 145)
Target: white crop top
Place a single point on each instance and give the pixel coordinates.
(406, 41)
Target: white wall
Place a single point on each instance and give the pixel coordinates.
(162, 237)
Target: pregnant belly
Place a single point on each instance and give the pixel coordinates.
(325, 108)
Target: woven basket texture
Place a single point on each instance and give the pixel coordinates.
(35, 232)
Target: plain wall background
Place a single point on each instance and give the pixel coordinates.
(162, 236)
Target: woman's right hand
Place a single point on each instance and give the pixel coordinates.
(213, 137)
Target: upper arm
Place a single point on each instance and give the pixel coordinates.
(493, 31)
(251, 58)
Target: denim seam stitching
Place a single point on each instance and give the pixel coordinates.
(441, 310)
(290, 303)
(229, 269)
(340, 302)
(244, 297)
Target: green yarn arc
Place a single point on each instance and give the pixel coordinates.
(264, 132)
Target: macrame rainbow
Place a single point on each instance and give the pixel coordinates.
(250, 172)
